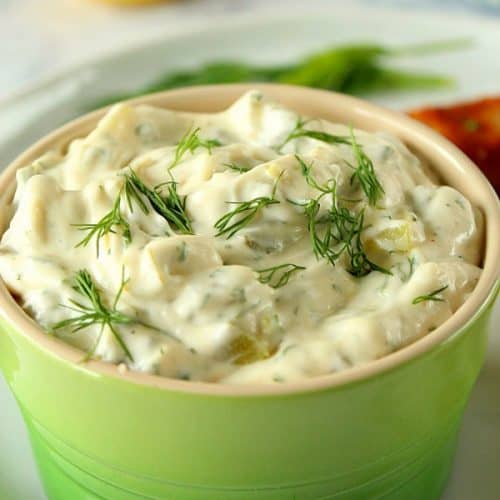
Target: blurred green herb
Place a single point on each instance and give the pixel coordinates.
(353, 69)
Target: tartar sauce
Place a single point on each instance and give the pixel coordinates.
(250, 245)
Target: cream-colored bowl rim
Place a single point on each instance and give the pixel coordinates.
(453, 166)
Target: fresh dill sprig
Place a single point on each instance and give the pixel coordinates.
(237, 168)
(306, 172)
(107, 224)
(235, 220)
(96, 313)
(365, 174)
(360, 264)
(247, 210)
(170, 206)
(433, 296)
(191, 141)
(338, 230)
(326, 188)
(132, 192)
(267, 275)
(299, 131)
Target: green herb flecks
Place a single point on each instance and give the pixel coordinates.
(170, 206)
(411, 268)
(235, 220)
(237, 168)
(191, 141)
(433, 296)
(95, 312)
(182, 250)
(112, 221)
(278, 276)
(365, 174)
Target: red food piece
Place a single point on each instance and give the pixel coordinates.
(474, 127)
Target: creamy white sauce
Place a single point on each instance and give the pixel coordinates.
(198, 307)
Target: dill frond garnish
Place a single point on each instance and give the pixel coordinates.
(300, 131)
(306, 172)
(235, 220)
(170, 206)
(95, 312)
(237, 168)
(336, 231)
(108, 224)
(133, 193)
(360, 264)
(191, 141)
(365, 174)
(267, 275)
(433, 296)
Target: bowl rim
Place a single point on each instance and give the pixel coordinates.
(480, 299)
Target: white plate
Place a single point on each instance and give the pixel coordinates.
(33, 112)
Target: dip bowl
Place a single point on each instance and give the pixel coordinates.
(385, 429)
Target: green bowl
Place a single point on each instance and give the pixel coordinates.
(386, 429)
